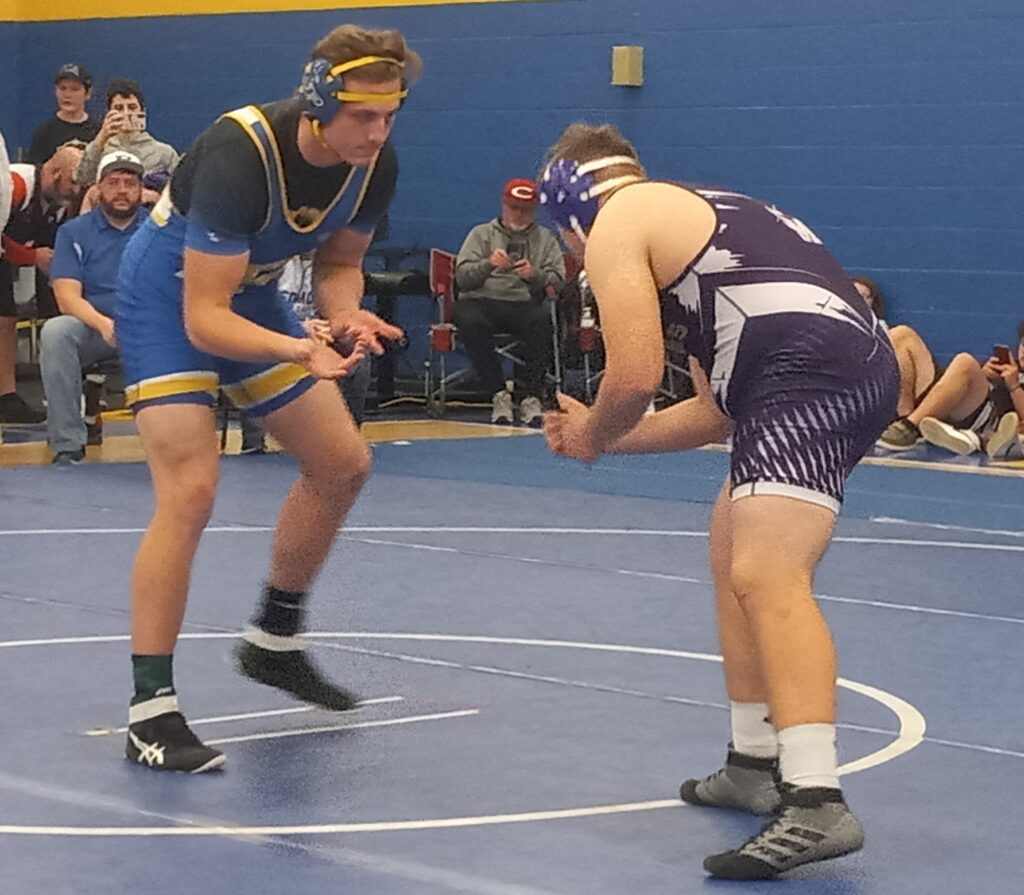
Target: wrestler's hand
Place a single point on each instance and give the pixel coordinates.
(320, 330)
(324, 362)
(568, 432)
(359, 327)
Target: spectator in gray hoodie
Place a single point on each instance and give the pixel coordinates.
(504, 271)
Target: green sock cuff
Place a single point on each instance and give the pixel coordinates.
(153, 677)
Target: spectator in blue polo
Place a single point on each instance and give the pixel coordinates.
(84, 277)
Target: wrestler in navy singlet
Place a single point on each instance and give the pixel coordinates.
(793, 353)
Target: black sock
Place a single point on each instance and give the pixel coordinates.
(282, 612)
(153, 677)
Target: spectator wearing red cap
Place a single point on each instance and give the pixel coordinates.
(72, 89)
(502, 273)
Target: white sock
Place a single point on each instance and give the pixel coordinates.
(752, 732)
(807, 755)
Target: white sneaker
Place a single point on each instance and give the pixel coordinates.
(1004, 437)
(501, 408)
(943, 435)
(530, 412)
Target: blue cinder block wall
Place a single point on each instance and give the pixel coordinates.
(894, 129)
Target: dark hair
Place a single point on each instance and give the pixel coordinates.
(125, 87)
(1020, 330)
(875, 300)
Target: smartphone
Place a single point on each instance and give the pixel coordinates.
(1002, 354)
(516, 250)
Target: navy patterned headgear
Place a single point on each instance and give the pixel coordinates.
(569, 191)
(323, 86)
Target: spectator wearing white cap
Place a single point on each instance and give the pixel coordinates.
(503, 271)
(125, 127)
(71, 123)
(84, 276)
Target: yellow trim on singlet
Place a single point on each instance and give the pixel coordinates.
(252, 114)
(161, 213)
(246, 123)
(370, 168)
(266, 385)
(171, 384)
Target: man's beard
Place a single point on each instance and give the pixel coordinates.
(118, 214)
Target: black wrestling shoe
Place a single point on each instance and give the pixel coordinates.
(294, 672)
(745, 783)
(814, 824)
(165, 743)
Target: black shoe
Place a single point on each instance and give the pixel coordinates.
(14, 410)
(253, 446)
(814, 824)
(293, 672)
(165, 743)
(68, 458)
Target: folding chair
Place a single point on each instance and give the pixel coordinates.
(443, 335)
(582, 334)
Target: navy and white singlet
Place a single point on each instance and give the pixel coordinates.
(794, 355)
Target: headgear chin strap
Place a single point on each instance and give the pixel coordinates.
(323, 86)
(568, 190)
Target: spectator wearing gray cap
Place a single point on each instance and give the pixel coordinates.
(72, 89)
(84, 276)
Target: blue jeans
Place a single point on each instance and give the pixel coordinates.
(66, 347)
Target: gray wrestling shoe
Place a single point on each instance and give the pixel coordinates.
(745, 783)
(814, 824)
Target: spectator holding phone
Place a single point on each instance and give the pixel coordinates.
(972, 407)
(502, 275)
(124, 128)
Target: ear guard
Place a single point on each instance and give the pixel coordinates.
(323, 87)
(568, 190)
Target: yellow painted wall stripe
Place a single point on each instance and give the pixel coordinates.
(70, 10)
